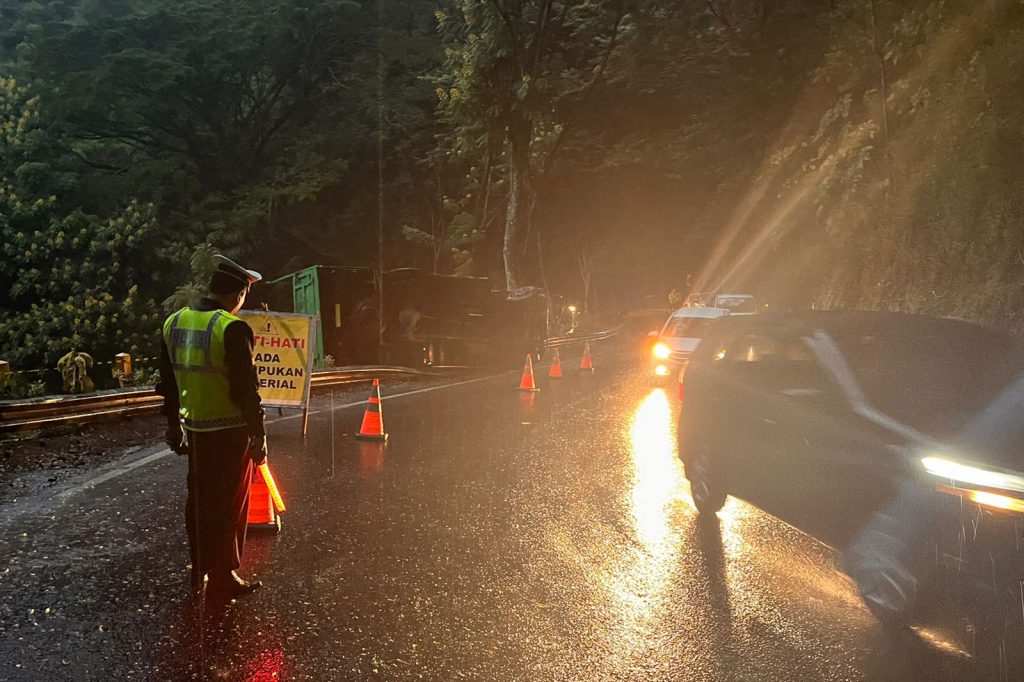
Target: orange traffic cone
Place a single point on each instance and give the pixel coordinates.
(527, 383)
(265, 501)
(373, 418)
(586, 363)
(556, 367)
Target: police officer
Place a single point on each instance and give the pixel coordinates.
(211, 391)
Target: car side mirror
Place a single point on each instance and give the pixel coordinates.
(653, 334)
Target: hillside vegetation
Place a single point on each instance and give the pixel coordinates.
(836, 153)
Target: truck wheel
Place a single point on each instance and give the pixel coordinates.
(706, 487)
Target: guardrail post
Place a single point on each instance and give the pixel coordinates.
(123, 369)
(5, 373)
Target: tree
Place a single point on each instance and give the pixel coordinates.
(451, 236)
(516, 75)
(68, 279)
(252, 126)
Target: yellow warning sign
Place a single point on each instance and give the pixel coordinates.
(282, 356)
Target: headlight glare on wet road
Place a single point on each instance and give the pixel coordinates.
(658, 476)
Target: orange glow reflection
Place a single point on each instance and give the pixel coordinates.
(527, 400)
(371, 456)
(265, 665)
(637, 579)
(658, 475)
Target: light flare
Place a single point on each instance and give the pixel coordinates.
(747, 237)
(996, 501)
(964, 473)
(986, 499)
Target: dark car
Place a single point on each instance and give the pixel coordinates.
(893, 438)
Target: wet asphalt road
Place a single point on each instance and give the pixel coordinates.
(498, 536)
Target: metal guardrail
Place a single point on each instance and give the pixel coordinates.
(54, 411)
(570, 339)
(51, 411)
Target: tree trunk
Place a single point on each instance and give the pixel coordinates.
(586, 292)
(518, 209)
(586, 266)
(512, 229)
(883, 83)
(544, 276)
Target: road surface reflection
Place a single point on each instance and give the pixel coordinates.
(658, 481)
(639, 575)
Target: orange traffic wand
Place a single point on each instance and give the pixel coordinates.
(275, 494)
(373, 419)
(527, 383)
(265, 501)
(587, 363)
(556, 367)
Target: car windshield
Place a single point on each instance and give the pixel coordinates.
(932, 375)
(737, 304)
(687, 327)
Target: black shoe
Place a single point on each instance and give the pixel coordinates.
(197, 581)
(231, 586)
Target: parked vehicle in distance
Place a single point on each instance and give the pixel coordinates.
(736, 304)
(679, 337)
(428, 318)
(893, 438)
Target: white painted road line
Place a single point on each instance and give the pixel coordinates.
(142, 461)
(426, 390)
(146, 460)
(391, 397)
(114, 473)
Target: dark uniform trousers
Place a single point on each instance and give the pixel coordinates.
(219, 474)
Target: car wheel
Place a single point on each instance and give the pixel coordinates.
(888, 575)
(889, 590)
(893, 556)
(706, 486)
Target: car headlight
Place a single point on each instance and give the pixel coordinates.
(971, 475)
(662, 351)
(963, 479)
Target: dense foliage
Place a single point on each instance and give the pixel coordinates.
(858, 153)
(68, 278)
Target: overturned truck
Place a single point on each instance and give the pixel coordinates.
(428, 319)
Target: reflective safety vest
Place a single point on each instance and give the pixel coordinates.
(195, 342)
